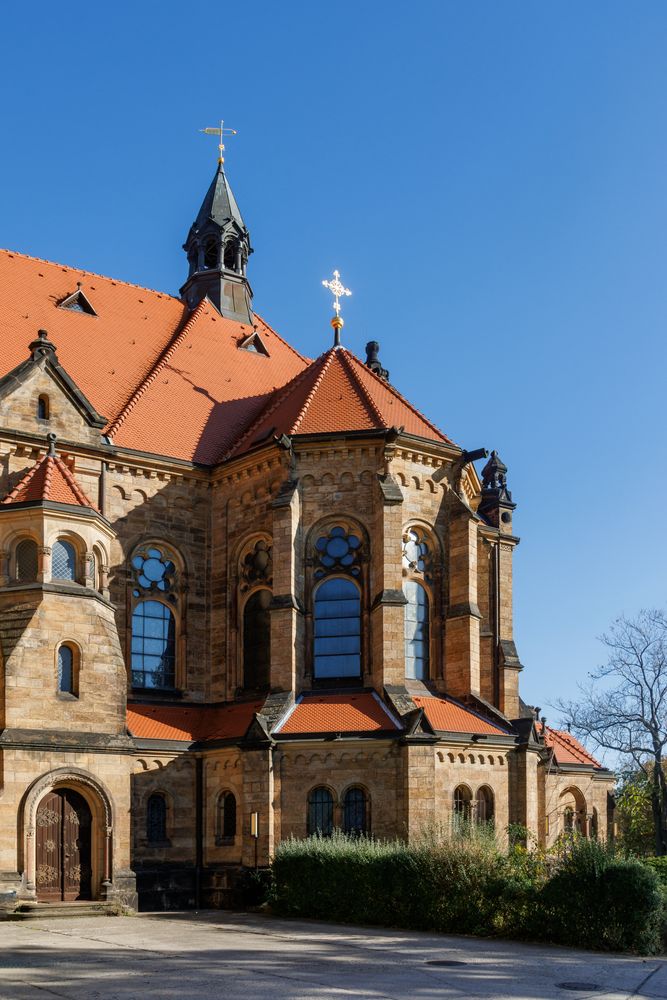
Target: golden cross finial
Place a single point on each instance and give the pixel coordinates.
(337, 288)
(222, 132)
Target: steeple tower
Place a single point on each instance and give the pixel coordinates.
(218, 247)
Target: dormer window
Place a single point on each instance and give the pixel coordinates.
(77, 302)
(43, 408)
(254, 344)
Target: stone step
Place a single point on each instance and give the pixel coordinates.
(41, 911)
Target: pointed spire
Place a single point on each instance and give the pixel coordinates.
(218, 248)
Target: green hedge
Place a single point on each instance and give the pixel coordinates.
(465, 885)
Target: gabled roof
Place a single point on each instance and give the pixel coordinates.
(567, 749)
(336, 393)
(448, 716)
(191, 723)
(337, 713)
(49, 480)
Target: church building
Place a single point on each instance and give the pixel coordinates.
(244, 595)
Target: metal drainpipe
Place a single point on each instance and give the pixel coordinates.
(102, 489)
(199, 827)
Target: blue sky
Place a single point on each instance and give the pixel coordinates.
(488, 177)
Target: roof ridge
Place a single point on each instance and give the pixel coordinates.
(370, 402)
(387, 385)
(328, 356)
(83, 270)
(273, 402)
(180, 334)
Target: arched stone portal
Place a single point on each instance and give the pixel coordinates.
(57, 863)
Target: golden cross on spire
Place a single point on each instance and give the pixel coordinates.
(222, 132)
(337, 289)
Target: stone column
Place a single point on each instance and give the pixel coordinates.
(387, 599)
(462, 674)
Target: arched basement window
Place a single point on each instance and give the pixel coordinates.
(156, 819)
(417, 613)
(153, 646)
(226, 817)
(320, 812)
(66, 669)
(484, 805)
(63, 561)
(257, 640)
(26, 560)
(337, 609)
(355, 811)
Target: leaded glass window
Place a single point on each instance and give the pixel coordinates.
(355, 811)
(66, 670)
(156, 819)
(320, 812)
(257, 640)
(416, 613)
(26, 560)
(337, 629)
(153, 646)
(63, 561)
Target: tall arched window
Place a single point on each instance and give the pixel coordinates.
(337, 629)
(484, 805)
(156, 819)
(66, 670)
(257, 640)
(63, 560)
(320, 812)
(26, 560)
(153, 646)
(417, 635)
(355, 811)
(211, 253)
(225, 818)
(462, 804)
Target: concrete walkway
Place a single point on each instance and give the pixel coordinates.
(240, 957)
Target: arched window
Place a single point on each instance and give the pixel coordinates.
(67, 679)
(257, 640)
(153, 646)
(484, 805)
(355, 811)
(43, 408)
(156, 819)
(337, 629)
(416, 630)
(63, 560)
(211, 253)
(231, 253)
(26, 560)
(462, 804)
(320, 812)
(226, 818)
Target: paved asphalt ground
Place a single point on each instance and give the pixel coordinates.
(233, 956)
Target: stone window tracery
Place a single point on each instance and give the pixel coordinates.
(417, 553)
(257, 565)
(155, 617)
(338, 551)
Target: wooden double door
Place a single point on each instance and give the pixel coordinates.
(63, 847)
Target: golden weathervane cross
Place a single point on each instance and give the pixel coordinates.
(337, 289)
(222, 132)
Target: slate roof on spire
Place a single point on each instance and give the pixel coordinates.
(49, 480)
(219, 204)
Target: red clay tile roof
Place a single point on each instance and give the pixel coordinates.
(192, 723)
(337, 713)
(51, 480)
(448, 716)
(336, 393)
(177, 383)
(567, 749)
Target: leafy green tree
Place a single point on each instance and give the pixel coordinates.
(624, 706)
(633, 812)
